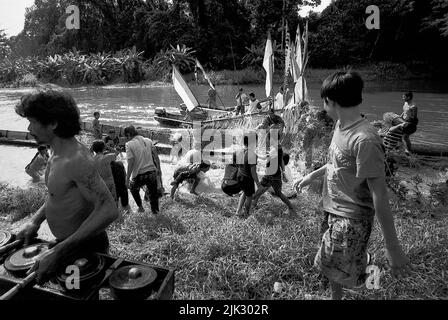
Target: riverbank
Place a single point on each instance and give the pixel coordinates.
(269, 246)
(381, 71)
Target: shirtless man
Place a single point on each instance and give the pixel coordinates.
(78, 206)
(103, 164)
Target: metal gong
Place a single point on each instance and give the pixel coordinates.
(90, 267)
(132, 282)
(23, 259)
(5, 238)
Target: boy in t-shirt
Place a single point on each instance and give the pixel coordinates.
(354, 189)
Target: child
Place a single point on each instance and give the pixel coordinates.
(37, 165)
(275, 172)
(393, 134)
(230, 185)
(188, 172)
(96, 126)
(103, 165)
(247, 175)
(354, 189)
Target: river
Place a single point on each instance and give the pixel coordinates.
(135, 105)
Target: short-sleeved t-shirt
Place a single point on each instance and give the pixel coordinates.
(410, 113)
(140, 149)
(355, 154)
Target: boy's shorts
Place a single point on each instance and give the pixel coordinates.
(247, 185)
(274, 182)
(230, 189)
(342, 256)
(409, 128)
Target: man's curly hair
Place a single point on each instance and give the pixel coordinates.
(50, 107)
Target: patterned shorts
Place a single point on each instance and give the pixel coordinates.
(342, 256)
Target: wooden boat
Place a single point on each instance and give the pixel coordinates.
(190, 110)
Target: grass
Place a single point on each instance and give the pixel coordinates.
(16, 203)
(219, 256)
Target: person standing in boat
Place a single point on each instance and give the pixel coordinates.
(279, 99)
(211, 100)
(254, 104)
(241, 100)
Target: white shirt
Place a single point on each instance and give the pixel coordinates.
(253, 107)
(279, 103)
(140, 149)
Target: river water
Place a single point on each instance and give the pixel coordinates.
(135, 105)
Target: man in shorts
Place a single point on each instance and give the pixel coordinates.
(247, 177)
(354, 189)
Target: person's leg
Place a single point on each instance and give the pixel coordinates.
(288, 203)
(124, 197)
(261, 189)
(195, 184)
(247, 206)
(173, 190)
(241, 204)
(135, 186)
(336, 290)
(407, 143)
(151, 185)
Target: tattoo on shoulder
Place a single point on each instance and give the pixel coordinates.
(87, 178)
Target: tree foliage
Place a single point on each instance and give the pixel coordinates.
(227, 32)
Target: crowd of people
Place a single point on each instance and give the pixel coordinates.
(85, 185)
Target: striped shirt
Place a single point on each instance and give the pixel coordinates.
(393, 138)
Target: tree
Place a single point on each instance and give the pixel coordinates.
(5, 48)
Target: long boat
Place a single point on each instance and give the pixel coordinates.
(190, 110)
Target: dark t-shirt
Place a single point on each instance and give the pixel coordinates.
(276, 163)
(245, 160)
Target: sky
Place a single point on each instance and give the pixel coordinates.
(304, 10)
(12, 14)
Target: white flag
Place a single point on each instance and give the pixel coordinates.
(268, 65)
(183, 90)
(199, 65)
